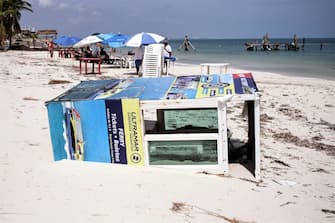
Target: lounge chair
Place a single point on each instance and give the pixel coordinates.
(152, 64)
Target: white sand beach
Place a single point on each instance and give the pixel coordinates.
(297, 158)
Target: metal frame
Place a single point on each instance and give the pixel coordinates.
(220, 103)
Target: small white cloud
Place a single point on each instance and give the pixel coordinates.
(60, 5)
(45, 3)
(63, 6)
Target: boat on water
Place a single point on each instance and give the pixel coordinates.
(250, 46)
(266, 45)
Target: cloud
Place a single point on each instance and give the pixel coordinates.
(45, 3)
(63, 5)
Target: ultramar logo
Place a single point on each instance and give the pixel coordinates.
(135, 155)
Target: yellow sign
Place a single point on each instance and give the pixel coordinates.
(133, 131)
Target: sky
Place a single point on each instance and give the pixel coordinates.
(177, 18)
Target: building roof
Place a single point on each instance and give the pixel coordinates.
(47, 32)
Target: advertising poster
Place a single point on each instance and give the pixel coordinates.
(215, 85)
(184, 87)
(87, 90)
(244, 83)
(124, 131)
(115, 127)
(79, 130)
(97, 130)
(141, 88)
(133, 131)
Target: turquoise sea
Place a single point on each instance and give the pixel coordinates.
(315, 60)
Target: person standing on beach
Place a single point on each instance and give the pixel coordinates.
(167, 52)
(138, 57)
(51, 48)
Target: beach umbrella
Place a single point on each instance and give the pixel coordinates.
(105, 36)
(116, 41)
(87, 41)
(70, 41)
(59, 39)
(144, 38)
(66, 41)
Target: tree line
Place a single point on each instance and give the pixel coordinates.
(10, 15)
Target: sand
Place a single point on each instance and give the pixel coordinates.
(297, 158)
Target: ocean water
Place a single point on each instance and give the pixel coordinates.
(310, 62)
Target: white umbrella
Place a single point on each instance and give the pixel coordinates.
(87, 41)
(144, 38)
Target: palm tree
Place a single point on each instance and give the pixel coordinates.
(10, 16)
(2, 26)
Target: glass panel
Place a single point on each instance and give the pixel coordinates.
(171, 121)
(191, 152)
(199, 118)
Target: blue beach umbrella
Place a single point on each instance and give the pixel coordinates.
(144, 38)
(71, 40)
(59, 39)
(105, 36)
(67, 41)
(116, 41)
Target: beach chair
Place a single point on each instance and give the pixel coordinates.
(128, 62)
(152, 64)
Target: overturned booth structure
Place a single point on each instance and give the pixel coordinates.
(167, 121)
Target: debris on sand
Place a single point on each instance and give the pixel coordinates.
(186, 209)
(31, 99)
(287, 137)
(59, 82)
(328, 211)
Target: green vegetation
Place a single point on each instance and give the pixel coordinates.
(10, 15)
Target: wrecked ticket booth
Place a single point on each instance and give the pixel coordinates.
(166, 121)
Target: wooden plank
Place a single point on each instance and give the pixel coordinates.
(257, 138)
(223, 137)
(183, 103)
(181, 137)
